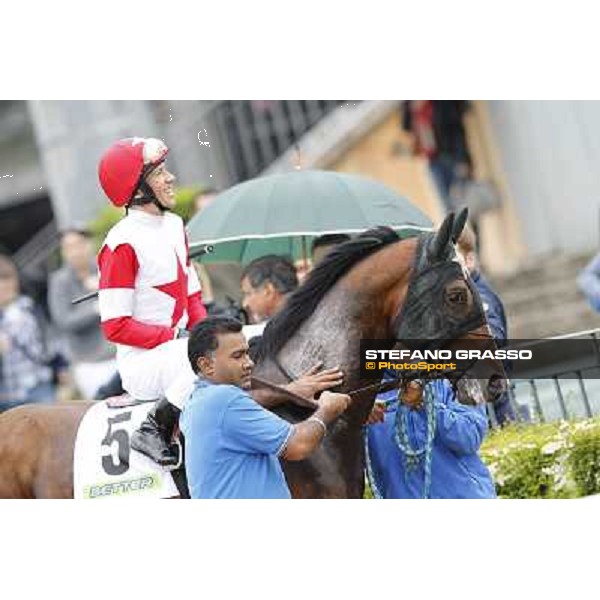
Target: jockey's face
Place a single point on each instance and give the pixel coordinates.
(261, 302)
(231, 363)
(161, 181)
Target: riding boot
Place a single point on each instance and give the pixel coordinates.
(153, 438)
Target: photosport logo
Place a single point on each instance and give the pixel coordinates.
(393, 359)
(521, 359)
(410, 356)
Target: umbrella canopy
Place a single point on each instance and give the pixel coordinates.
(282, 214)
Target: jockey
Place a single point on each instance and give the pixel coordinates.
(149, 292)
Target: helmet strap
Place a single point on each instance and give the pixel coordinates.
(147, 194)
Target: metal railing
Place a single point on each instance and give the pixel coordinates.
(565, 392)
(257, 132)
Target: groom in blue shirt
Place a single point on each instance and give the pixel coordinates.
(232, 443)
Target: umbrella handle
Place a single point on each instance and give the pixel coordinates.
(201, 251)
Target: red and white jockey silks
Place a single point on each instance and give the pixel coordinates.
(148, 286)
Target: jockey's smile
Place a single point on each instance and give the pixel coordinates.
(161, 182)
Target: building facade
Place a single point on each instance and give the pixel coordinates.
(539, 156)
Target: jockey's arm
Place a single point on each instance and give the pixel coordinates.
(118, 270)
(196, 310)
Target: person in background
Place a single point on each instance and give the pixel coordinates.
(396, 444)
(494, 313)
(588, 281)
(265, 284)
(494, 309)
(303, 267)
(92, 357)
(25, 374)
(319, 248)
(233, 443)
(267, 281)
(324, 243)
(439, 136)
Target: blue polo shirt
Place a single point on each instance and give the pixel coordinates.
(232, 444)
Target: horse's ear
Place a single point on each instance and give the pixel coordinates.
(441, 239)
(459, 224)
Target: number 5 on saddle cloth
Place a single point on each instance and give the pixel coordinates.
(105, 465)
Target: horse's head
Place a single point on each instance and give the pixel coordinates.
(442, 308)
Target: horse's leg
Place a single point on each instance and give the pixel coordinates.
(36, 450)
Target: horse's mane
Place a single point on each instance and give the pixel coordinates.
(303, 301)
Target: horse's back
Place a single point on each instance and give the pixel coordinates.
(36, 450)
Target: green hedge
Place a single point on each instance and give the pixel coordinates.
(554, 460)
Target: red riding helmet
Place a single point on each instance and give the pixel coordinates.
(125, 163)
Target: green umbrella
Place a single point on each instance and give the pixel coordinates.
(282, 214)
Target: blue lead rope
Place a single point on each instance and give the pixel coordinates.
(413, 456)
(370, 474)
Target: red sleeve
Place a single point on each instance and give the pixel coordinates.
(196, 309)
(128, 331)
(118, 270)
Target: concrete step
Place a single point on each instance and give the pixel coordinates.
(547, 294)
(541, 268)
(534, 322)
(543, 299)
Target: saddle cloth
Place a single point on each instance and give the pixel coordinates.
(105, 466)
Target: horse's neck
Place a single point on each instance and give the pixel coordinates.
(331, 335)
(360, 306)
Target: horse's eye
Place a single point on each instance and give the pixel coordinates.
(457, 300)
(457, 296)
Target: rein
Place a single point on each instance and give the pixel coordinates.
(382, 386)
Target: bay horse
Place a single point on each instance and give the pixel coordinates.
(372, 287)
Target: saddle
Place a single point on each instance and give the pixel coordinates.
(107, 466)
(175, 440)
